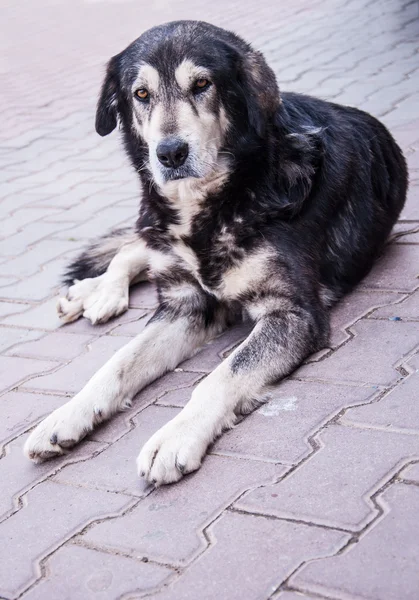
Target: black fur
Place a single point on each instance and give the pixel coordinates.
(320, 183)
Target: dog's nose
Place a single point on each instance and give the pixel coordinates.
(172, 153)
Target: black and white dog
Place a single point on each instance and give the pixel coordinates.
(254, 202)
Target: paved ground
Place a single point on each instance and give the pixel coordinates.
(316, 495)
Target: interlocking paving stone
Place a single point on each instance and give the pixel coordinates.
(383, 564)
(353, 307)
(407, 309)
(10, 336)
(18, 474)
(79, 573)
(397, 411)
(397, 270)
(279, 430)
(55, 346)
(15, 370)
(335, 485)
(411, 473)
(10, 308)
(257, 553)
(115, 470)
(361, 360)
(20, 410)
(51, 514)
(72, 377)
(167, 525)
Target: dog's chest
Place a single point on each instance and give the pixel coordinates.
(222, 267)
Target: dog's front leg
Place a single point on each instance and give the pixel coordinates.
(101, 298)
(278, 343)
(174, 333)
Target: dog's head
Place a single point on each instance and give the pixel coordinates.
(187, 91)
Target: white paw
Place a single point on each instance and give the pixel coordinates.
(106, 302)
(71, 307)
(62, 429)
(97, 299)
(173, 451)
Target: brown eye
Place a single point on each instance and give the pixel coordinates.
(201, 85)
(142, 94)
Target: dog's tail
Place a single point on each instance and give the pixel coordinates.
(96, 257)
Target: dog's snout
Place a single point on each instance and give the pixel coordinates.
(172, 153)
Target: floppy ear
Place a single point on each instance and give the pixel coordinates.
(261, 91)
(107, 109)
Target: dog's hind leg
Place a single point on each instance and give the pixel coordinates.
(176, 331)
(100, 298)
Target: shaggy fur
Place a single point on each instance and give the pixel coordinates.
(280, 207)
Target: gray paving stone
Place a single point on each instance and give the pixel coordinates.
(72, 377)
(40, 316)
(372, 568)
(20, 411)
(10, 336)
(41, 253)
(411, 209)
(55, 346)
(39, 286)
(15, 370)
(335, 485)
(269, 552)
(11, 308)
(43, 524)
(18, 474)
(397, 411)
(167, 525)
(411, 473)
(397, 270)
(143, 295)
(280, 430)
(83, 574)
(370, 357)
(407, 309)
(353, 307)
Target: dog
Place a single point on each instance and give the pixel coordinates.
(255, 202)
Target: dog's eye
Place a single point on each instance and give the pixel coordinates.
(142, 94)
(201, 85)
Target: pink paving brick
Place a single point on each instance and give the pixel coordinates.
(281, 430)
(83, 574)
(20, 411)
(347, 421)
(167, 525)
(334, 487)
(255, 554)
(371, 568)
(42, 525)
(361, 359)
(19, 475)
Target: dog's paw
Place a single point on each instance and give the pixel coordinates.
(72, 306)
(61, 430)
(106, 302)
(173, 451)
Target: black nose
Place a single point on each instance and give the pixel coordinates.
(172, 153)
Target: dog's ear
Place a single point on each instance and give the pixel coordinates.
(261, 91)
(107, 106)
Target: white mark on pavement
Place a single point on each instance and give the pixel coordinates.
(277, 405)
